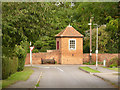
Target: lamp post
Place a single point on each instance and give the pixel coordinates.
(96, 47)
(90, 39)
(30, 55)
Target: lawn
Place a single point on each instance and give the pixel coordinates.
(89, 69)
(18, 76)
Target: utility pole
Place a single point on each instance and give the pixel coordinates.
(31, 48)
(30, 56)
(90, 39)
(97, 48)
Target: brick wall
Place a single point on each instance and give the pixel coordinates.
(36, 57)
(101, 57)
(56, 55)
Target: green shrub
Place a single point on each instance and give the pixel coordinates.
(38, 44)
(93, 63)
(13, 59)
(55, 62)
(9, 66)
(100, 63)
(88, 63)
(21, 54)
(113, 62)
(35, 51)
(5, 67)
(13, 65)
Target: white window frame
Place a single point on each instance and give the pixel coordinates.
(69, 44)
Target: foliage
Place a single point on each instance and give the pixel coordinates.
(92, 63)
(107, 37)
(112, 29)
(9, 66)
(89, 69)
(40, 22)
(114, 62)
(21, 54)
(112, 68)
(115, 69)
(103, 39)
(18, 76)
(88, 63)
(55, 62)
(37, 85)
(5, 67)
(35, 51)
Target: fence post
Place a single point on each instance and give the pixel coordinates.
(104, 63)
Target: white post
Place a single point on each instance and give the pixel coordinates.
(30, 56)
(96, 59)
(30, 43)
(104, 63)
(97, 48)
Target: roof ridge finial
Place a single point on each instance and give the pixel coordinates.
(69, 25)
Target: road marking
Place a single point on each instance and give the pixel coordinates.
(38, 79)
(46, 67)
(60, 69)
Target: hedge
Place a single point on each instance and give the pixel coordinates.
(13, 59)
(21, 54)
(9, 66)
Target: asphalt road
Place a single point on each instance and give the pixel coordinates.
(68, 76)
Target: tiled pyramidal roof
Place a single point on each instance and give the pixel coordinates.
(69, 31)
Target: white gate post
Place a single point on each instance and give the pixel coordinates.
(30, 57)
(104, 63)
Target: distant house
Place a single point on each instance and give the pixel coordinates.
(69, 49)
(69, 43)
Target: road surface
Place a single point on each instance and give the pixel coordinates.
(68, 76)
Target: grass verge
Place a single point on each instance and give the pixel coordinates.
(18, 76)
(89, 69)
(37, 85)
(115, 69)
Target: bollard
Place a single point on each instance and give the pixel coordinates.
(104, 63)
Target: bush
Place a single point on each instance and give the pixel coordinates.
(13, 65)
(21, 54)
(113, 62)
(55, 62)
(5, 67)
(35, 51)
(13, 59)
(9, 66)
(93, 63)
(88, 63)
(100, 63)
